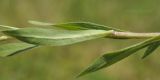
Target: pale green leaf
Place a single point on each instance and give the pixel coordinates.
(152, 47)
(76, 25)
(13, 48)
(41, 36)
(110, 58)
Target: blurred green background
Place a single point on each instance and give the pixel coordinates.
(65, 62)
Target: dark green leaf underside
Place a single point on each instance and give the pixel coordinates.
(152, 47)
(110, 58)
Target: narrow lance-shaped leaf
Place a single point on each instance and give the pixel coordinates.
(41, 36)
(152, 47)
(110, 58)
(13, 48)
(76, 26)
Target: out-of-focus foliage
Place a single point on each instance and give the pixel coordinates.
(62, 63)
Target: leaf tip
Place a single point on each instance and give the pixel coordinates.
(80, 75)
(97, 65)
(84, 72)
(143, 57)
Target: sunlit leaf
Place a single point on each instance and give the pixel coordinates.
(76, 25)
(110, 58)
(13, 48)
(52, 37)
(152, 47)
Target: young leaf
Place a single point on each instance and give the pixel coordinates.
(110, 58)
(13, 48)
(76, 26)
(41, 36)
(152, 47)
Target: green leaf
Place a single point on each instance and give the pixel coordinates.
(76, 26)
(152, 47)
(13, 48)
(110, 58)
(41, 36)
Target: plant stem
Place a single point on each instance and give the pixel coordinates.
(131, 35)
